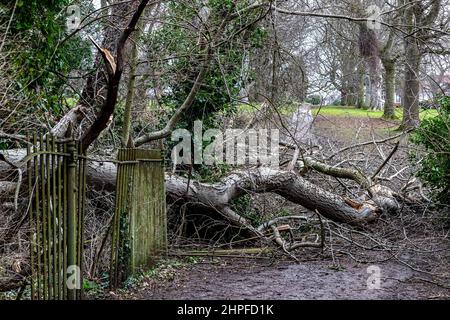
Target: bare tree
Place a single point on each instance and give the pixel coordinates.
(419, 19)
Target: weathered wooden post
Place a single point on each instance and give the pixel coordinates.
(71, 216)
(139, 225)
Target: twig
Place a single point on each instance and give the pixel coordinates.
(386, 161)
(16, 194)
(16, 137)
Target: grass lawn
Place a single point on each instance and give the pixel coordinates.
(338, 111)
(345, 111)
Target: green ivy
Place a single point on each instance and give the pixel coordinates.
(223, 80)
(244, 206)
(218, 98)
(43, 60)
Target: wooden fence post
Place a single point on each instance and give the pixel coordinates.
(71, 214)
(140, 224)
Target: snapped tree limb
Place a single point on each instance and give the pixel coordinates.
(115, 70)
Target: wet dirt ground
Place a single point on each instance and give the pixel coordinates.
(232, 279)
(312, 278)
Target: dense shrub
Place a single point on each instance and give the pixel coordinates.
(434, 135)
(315, 99)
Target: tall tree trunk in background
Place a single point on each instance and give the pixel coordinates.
(344, 83)
(389, 60)
(352, 95)
(274, 90)
(344, 97)
(348, 88)
(274, 83)
(369, 49)
(389, 85)
(411, 85)
(417, 22)
(361, 90)
(375, 76)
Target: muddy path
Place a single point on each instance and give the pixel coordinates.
(316, 277)
(231, 279)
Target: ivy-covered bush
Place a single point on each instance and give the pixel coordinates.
(434, 135)
(222, 85)
(218, 97)
(38, 60)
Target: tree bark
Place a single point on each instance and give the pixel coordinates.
(389, 84)
(285, 183)
(375, 82)
(416, 20)
(259, 180)
(411, 85)
(130, 90)
(344, 97)
(114, 77)
(361, 92)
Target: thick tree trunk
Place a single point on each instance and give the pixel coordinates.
(218, 197)
(375, 101)
(352, 96)
(411, 85)
(369, 49)
(288, 184)
(360, 94)
(389, 85)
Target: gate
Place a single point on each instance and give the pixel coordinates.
(139, 225)
(56, 172)
(56, 183)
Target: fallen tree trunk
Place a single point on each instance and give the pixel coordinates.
(71, 118)
(383, 196)
(288, 184)
(219, 196)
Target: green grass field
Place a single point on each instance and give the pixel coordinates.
(338, 111)
(352, 112)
